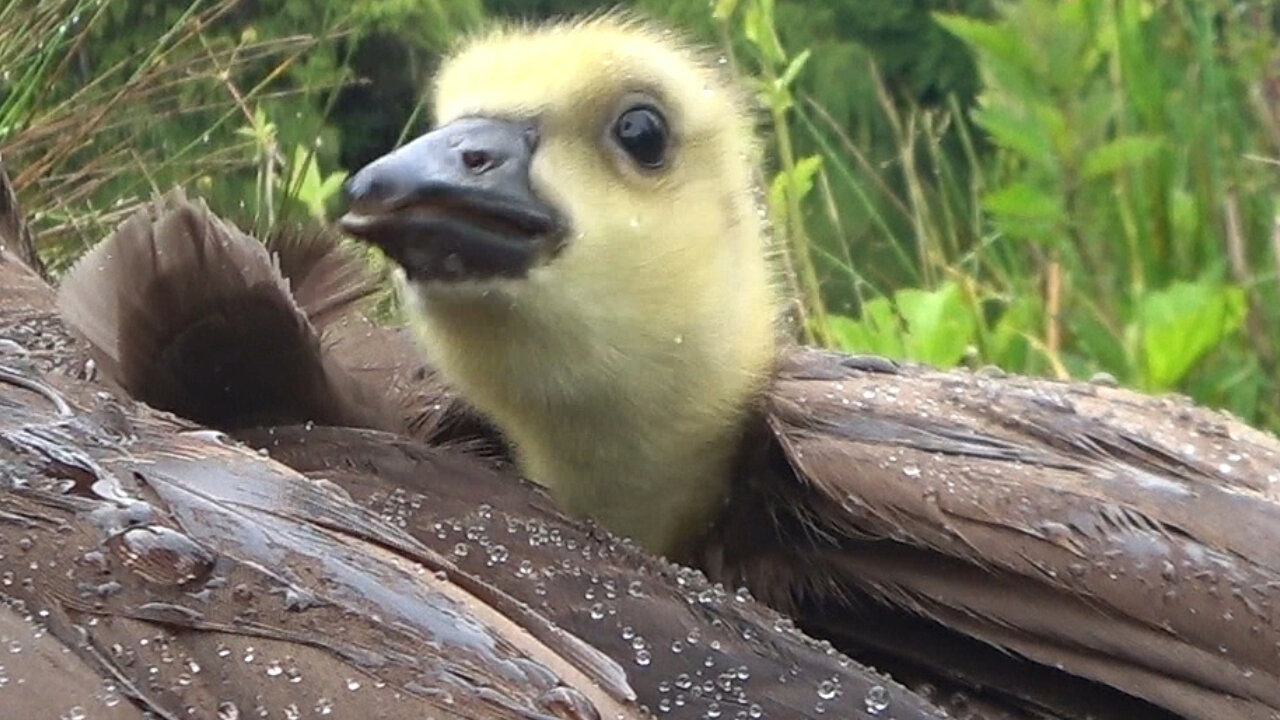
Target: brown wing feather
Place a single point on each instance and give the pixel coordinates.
(190, 315)
(689, 649)
(389, 358)
(45, 678)
(1129, 542)
(15, 234)
(202, 579)
(325, 281)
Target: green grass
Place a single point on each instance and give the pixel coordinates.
(1108, 204)
(87, 137)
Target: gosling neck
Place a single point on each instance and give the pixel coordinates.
(627, 400)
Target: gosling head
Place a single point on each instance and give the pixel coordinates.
(583, 257)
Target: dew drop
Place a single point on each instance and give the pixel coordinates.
(498, 555)
(877, 700)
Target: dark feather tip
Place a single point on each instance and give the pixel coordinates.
(191, 315)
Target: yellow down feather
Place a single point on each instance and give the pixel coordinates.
(622, 369)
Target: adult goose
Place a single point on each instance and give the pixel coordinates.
(581, 254)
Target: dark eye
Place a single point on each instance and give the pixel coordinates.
(642, 133)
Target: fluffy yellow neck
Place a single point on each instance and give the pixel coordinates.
(622, 369)
(623, 393)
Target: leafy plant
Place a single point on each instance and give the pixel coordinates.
(1123, 130)
(1079, 218)
(1051, 187)
(931, 326)
(85, 136)
(794, 180)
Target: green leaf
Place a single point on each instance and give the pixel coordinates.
(757, 26)
(1008, 345)
(798, 182)
(802, 176)
(793, 69)
(933, 327)
(778, 199)
(304, 180)
(1182, 323)
(1018, 131)
(878, 331)
(988, 38)
(940, 327)
(1021, 201)
(332, 185)
(777, 97)
(724, 9)
(1123, 152)
(1005, 52)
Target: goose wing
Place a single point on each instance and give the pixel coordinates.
(1070, 548)
(190, 315)
(419, 575)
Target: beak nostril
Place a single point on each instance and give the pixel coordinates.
(358, 190)
(376, 188)
(480, 161)
(359, 194)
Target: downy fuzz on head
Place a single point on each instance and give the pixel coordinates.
(621, 356)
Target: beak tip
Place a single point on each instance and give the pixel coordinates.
(355, 188)
(352, 223)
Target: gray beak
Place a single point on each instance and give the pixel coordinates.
(456, 203)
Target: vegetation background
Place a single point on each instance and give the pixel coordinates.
(1077, 188)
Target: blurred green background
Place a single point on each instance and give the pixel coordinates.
(1082, 188)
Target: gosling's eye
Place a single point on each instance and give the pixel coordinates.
(642, 133)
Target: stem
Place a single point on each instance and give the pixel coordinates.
(816, 331)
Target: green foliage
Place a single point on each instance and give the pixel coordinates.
(1124, 130)
(776, 74)
(1047, 186)
(79, 128)
(1182, 323)
(117, 100)
(307, 186)
(1101, 207)
(930, 326)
